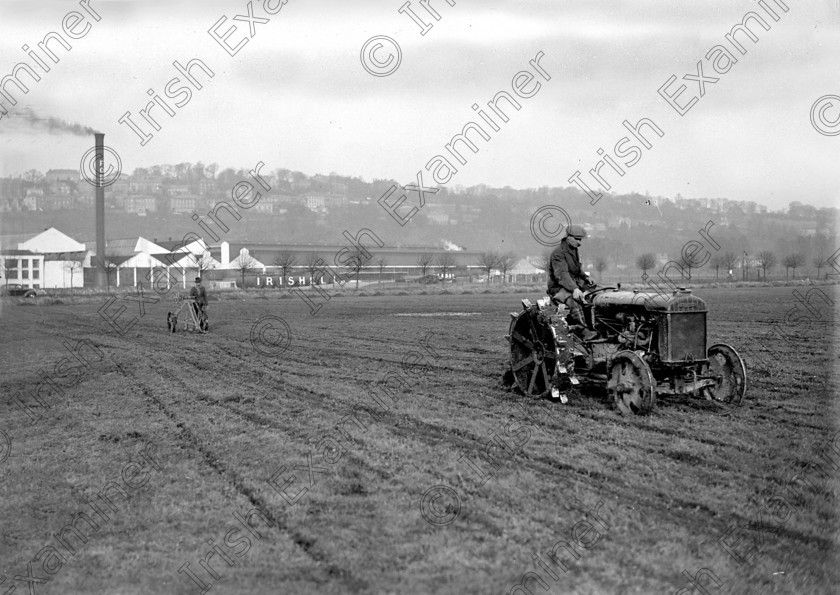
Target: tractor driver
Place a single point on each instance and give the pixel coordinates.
(566, 280)
(200, 294)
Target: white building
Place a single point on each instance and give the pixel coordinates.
(524, 271)
(22, 267)
(49, 259)
(131, 261)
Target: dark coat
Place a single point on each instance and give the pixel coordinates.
(200, 295)
(564, 271)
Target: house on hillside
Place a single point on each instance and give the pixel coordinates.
(183, 204)
(57, 175)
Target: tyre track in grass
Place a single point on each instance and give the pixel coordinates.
(384, 475)
(430, 435)
(703, 526)
(426, 428)
(319, 350)
(258, 419)
(380, 360)
(218, 465)
(465, 437)
(434, 435)
(304, 372)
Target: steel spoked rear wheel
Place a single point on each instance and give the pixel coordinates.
(532, 354)
(731, 375)
(631, 385)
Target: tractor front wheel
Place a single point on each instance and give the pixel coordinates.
(630, 383)
(731, 376)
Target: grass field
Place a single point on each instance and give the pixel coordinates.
(298, 433)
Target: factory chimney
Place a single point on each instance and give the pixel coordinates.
(101, 271)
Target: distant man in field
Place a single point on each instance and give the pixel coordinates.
(200, 294)
(566, 280)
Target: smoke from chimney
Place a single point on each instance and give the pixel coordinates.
(27, 118)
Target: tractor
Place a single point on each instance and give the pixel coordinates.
(647, 344)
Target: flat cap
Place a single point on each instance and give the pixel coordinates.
(576, 231)
(198, 279)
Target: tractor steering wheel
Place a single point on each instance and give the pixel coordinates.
(589, 294)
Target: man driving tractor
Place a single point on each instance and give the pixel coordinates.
(566, 280)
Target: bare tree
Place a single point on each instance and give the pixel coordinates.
(506, 262)
(445, 261)
(33, 176)
(9, 265)
(313, 263)
(600, 266)
(729, 260)
(820, 262)
(793, 261)
(381, 263)
(181, 170)
(203, 262)
(645, 262)
(489, 261)
(543, 263)
(197, 172)
(110, 263)
(285, 261)
(355, 262)
(719, 260)
(71, 266)
(424, 261)
(766, 260)
(244, 263)
(689, 262)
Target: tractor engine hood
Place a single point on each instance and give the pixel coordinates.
(679, 301)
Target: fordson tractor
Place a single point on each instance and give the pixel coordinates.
(647, 344)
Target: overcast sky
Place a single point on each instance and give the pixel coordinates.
(296, 95)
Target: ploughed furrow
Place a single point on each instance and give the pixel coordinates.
(399, 425)
(327, 345)
(218, 465)
(433, 436)
(194, 349)
(256, 418)
(297, 375)
(394, 481)
(393, 422)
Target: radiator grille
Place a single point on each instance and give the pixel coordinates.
(686, 337)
